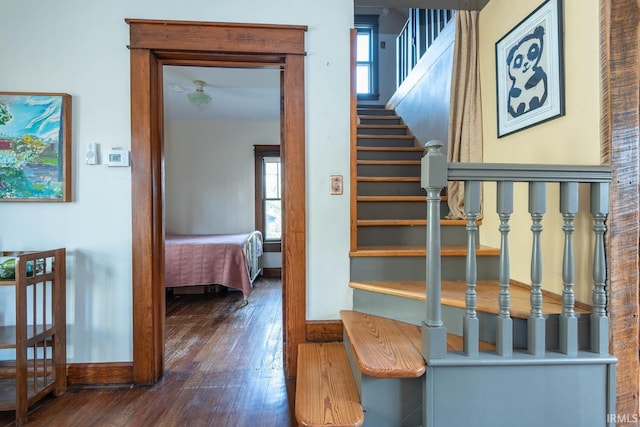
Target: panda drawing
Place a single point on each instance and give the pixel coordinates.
(528, 79)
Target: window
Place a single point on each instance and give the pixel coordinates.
(271, 198)
(367, 57)
(268, 179)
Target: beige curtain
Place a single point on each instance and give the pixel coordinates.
(465, 111)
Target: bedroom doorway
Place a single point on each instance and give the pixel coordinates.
(153, 44)
(221, 170)
(216, 122)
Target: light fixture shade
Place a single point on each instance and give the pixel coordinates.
(198, 97)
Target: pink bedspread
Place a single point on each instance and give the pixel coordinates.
(206, 260)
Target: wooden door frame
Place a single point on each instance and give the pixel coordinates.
(154, 43)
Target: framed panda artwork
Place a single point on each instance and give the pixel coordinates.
(529, 70)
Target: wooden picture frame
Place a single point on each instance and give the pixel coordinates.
(529, 70)
(35, 147)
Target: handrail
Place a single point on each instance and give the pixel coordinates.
(437, 172)
(523, 172)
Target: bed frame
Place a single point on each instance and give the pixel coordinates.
(231, 260)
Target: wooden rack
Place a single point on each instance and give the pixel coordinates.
(37, 336)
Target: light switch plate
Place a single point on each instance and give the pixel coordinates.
(336, 185)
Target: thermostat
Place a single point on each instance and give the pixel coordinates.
(118, 157)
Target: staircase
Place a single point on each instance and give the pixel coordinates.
(382, 338)
(384, 333)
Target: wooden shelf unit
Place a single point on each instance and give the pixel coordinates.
(37, 338)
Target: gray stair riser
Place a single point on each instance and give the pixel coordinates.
(388, 170)
(390, 141)
(375, 112)
(392, 210)
(393, 188)
(389, 155)
(381, 130)
(398, 308)
(414, 268)
(396, 210)
(387, 401)
(408, 235)
(377, 121)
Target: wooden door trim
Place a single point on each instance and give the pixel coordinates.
(208, 44)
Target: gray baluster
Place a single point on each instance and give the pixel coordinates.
(535, 321)
(434, 179)
(568, 321)
(599, 320)
(470, 325)
(504, 331)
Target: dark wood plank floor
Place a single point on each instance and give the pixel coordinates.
(223, 368)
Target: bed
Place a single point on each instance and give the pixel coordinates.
(231, 260)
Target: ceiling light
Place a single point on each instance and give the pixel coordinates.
(198, 97)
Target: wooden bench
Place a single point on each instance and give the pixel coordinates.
(326, 394)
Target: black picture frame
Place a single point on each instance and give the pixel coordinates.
(530, 70)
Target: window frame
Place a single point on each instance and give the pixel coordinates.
(370, 24)
(260, 153)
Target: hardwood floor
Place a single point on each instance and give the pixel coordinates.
(223, 367)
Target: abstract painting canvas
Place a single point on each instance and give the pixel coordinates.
(529, 70)
(35, 147)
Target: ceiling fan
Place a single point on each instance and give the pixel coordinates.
(198, 96)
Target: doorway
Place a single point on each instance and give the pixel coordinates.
(153, 44)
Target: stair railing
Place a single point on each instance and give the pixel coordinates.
(436, 172)
(419, 32)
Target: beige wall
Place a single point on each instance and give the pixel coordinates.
(571, 139)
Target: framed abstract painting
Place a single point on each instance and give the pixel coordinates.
(529, 70)
(35, 147)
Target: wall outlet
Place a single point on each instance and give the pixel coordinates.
(336, 184)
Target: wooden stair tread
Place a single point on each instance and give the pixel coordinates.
(384, 348)
(394, 198)
(384, 126)
(456, 343)
(326, 394)
(378, 117)
(445, 250)
(397, 222)
(389, 162)
(388, 179)
(368, 136)
(453, 294)
(385, 149)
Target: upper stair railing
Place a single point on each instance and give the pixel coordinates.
(419, 32)
(436, 172)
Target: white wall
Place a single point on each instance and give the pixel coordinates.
(80, 48)
(209, 175)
